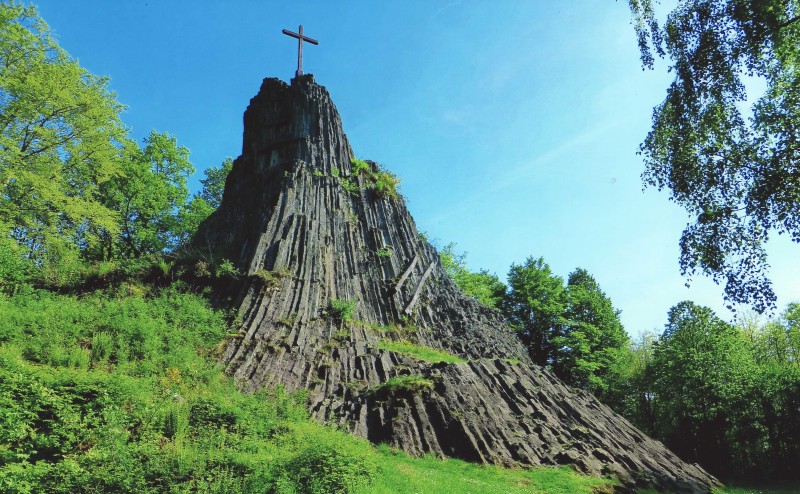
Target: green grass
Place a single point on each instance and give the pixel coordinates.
(430, 475)
(113, 392)
(420, 352)
(404, 384)
(758, 490)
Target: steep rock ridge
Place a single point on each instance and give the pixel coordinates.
(312, 232)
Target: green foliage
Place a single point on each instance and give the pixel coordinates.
(226, 269)
(327, 464)
(75, 188)
(271, 278)
(59, 137)
(15, 269)
(420, 352)
(592, 344)
(115, 393)
(360, 167)
(574, 329)
(386, 184)
(485, 287)
(150, 193)
(214, 183)
(382, 181)
(702, 371)
(350, 186)
(721, 395)
(384, 252)
(736, 174)
(342, 311)
(409, 384)
(535, 307)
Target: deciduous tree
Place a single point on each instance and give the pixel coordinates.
(702, 380)
(591, 349)
(59, 141)
(736, 171)
(484, 286)
(535, 306)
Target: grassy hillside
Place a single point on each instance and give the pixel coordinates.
(118, 391)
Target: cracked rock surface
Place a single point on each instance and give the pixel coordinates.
(311, 231)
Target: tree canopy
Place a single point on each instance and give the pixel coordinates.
(484, 286)
(735, 170)
(59, 141)
(593, 344)
(74, 187)
(535, 307)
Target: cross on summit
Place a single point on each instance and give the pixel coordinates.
(300, 39)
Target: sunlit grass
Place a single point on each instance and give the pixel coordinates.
(420, 352)
(431, 475)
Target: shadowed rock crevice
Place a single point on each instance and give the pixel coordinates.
(311, 232)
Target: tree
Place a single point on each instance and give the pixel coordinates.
(739, 175)
(59, 142)
(592, 346)
(214, 183)
(703, 382)
(205, 202)
(484, 286)
(150, 194)
(631, 394)
(535, 307)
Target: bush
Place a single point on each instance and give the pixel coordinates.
(342, 311)
(15, 269)
(206, 412)
(383, 182)
(330, 462)
(410, 384)
(386, 184)
(360, 166)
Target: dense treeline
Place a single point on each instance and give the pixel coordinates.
(725, 396)
(570, 328)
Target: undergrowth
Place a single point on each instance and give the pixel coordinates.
(117, 391)
(382, 181)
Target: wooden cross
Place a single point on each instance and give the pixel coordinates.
(300, 39)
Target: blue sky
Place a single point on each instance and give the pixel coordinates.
(514, 125)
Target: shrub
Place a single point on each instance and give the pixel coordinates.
(383, 182)
(342, 311)
(328, 463)
(350, 186)
(360, 166)
(226, 269)
(384, 252)
(270, 278)
(205, 412)
(15, 270)
(410, 384)
(386, 184)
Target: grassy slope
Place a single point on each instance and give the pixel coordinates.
(118, 392)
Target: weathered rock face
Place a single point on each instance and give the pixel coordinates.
(311, 231)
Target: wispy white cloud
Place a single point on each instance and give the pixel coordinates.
(536, 166)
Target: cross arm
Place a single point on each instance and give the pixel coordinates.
(300, 36)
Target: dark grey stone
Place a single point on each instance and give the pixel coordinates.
(285, 210)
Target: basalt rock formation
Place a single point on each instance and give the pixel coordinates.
(342, 294)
